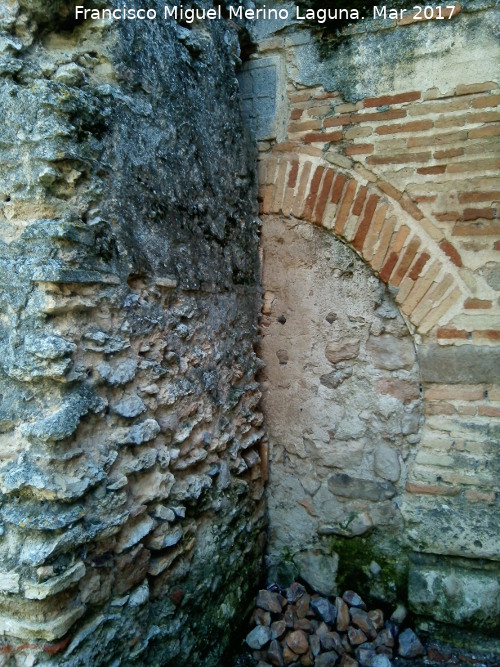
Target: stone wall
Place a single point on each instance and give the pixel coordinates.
(131, 493)
(392, 148)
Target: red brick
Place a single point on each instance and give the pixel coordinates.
(390, 190)
(405, 262)
(359, 149)
(337, 120)
(439, 106)
(424, 198)
(477, 303)
(451, 152)
(364, 225)
(296, 114)
(444, 332)
(416, 269)
(412, 126)
(392, 114)
(401, 158)
(292, 176)
(313, 193)
(404, 390)
(279, 187)
(304, 126)
(325, 137)
(450, 121)
(486, 101)
(486, 334)
(300, 96)
(475, 213)
(323, 197)
(447, 216)
(267, 198)
(439, 408)
(491, 228)
(473, 88)
(469, 197)
(411, 208)
(301, 192)
(388, 266)
(473, 495)
(437, 139)
(488, 411)
(480, 132)
(400, 98)
(436, 169)
(432, 489)
(345, 207)
(452, 252)
(483, 117)
(338, 186)
(359, 201)
(285, 147)
(374, 231)
(496, 245)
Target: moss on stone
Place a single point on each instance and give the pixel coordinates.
(356, 554)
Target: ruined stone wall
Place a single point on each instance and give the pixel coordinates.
(130, 484)
(386, 140)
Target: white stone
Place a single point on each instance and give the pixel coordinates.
(387, 463)
(9, 582)
(55, 584)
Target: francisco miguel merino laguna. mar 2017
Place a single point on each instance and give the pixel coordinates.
(192, 14)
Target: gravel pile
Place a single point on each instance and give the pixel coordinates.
(293, 627)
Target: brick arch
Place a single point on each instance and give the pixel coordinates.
(385, 228)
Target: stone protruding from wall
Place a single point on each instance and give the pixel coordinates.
(392, 146)
(131, 494)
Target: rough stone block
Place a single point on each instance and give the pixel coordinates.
(390, 354)
(318, 570)
(453, 593)
(464, 364)
(347, 486)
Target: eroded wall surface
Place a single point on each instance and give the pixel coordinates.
(130, 483)
(341, 389)
(392, 147)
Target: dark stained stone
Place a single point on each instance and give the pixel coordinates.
(258, 637)
(275, 654)
(297, 642)
(361, 620)
(324, 609)
(269, 601)
(356, 636)
(302, 605)
(326, 659)
(467, 364)
(409, 644)
(347, 486)
(331, 641)
(353, 599)
(278, 629)
(294, 592)
(343, 618)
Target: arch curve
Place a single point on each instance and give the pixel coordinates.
(385, 228)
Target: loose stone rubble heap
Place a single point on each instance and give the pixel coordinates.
(296, 628)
